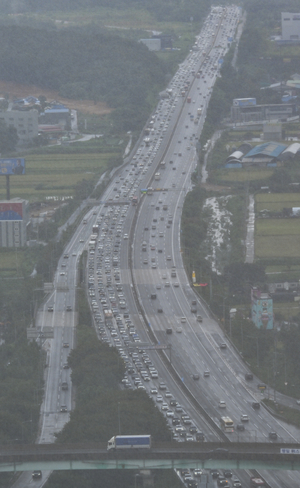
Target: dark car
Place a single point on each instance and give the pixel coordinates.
(256, 405)
(249, 376)
(222, 482)
(273, 436)
(36, 474)
(240, 427)
(214, 473)
(227, 473)
(200, 437)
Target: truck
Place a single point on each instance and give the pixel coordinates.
(118, 442)
(95, 229)
(108, 315)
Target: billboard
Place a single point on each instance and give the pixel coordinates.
(14, 166)
(244, 102)
(11, 211)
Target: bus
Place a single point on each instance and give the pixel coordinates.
(227, 424)
(257, 482)
(144, 191)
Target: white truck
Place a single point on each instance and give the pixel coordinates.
(129, 442)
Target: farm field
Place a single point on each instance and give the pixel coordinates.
(277, 238)
(55, 175)
(244, 175)
(275, 202)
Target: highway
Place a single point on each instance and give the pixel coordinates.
(123, 277)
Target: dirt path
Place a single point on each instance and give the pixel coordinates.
(17, 90)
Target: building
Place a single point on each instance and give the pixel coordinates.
(261, 309)
(272, 131)
(13, 222)
(260, 113)
(26, 123)
(56, 115)
(290, 26)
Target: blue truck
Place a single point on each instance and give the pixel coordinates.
(129, 442)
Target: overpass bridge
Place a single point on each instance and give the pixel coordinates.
(55, 457)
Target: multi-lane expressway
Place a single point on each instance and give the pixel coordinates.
(127, 284)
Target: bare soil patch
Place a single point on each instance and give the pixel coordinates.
(17, 90)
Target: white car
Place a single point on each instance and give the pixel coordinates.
(125, 236)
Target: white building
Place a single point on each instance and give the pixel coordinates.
(26, 123)
(290, 26)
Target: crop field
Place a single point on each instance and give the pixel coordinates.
(237, 175)
(275, 202)
(55, 175)
(277, 238)
(10, 262)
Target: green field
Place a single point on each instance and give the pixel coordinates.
(275, 202)
(237, 175)
(277, 227)
(277, 238)
(55, 175)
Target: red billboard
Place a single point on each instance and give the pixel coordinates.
(11, 211)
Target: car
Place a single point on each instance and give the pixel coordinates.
(199, 318)
(170, 413)
(214, 473)
(179, 330)
(125, 236)
(62, 273)
(159, 399)
(36, 474)
(237, 484)
(222, 404)
(206, 373)
(64, 386)
(222, 482)
(162, 386)
(256, 405)
(50, 309)
(244, 418)
(273, 436)
(198, 472)
(66, 345)
(195, 376)
(200, 437)
(249, 376)
(69, 308)
(223, 345)
(63, 408)
(66, 366)
(159, 310)
(164, 407)
(189, 438)
(240, 427)
(227, 473)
